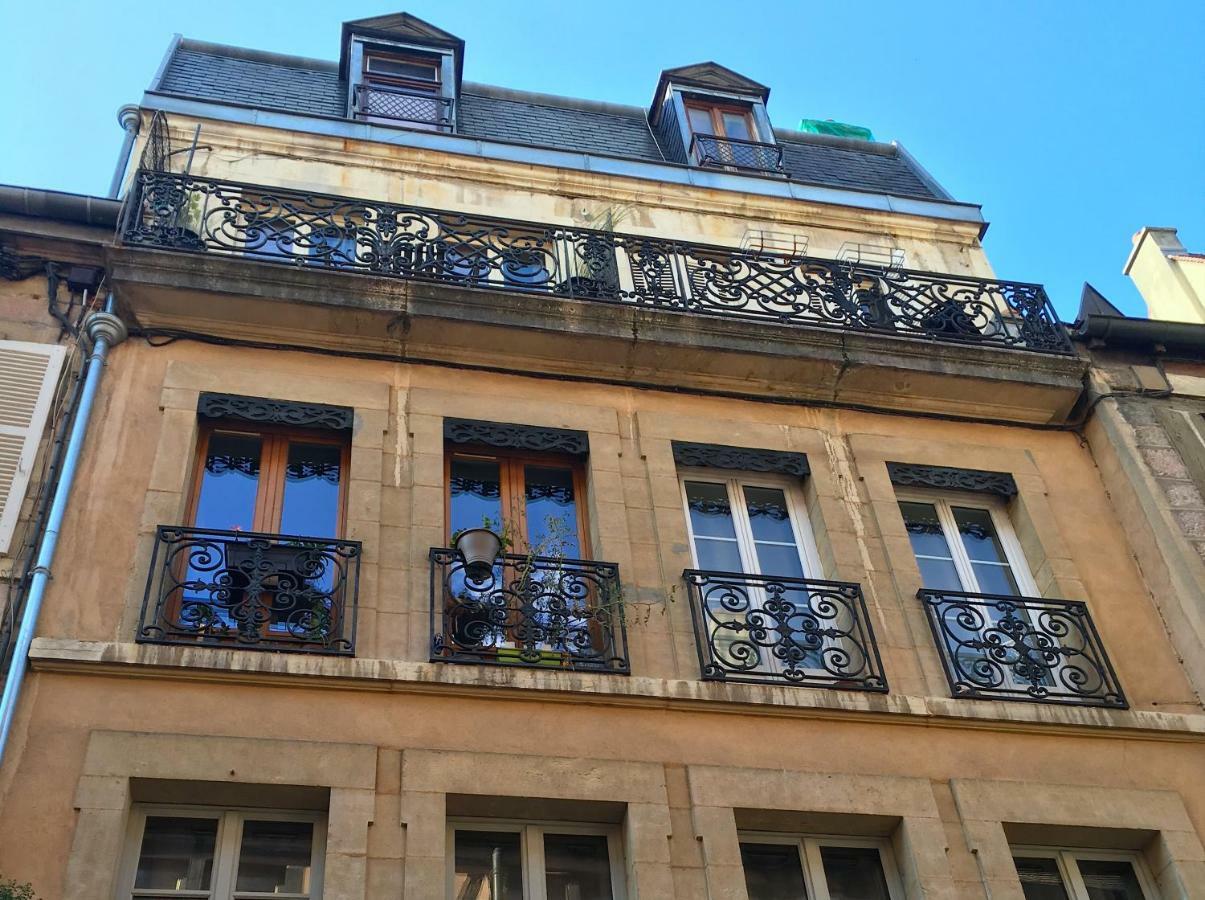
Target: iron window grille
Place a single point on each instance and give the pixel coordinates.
(529, 611)
(733, 153)
(309, 230)
(1002, 647)
(761, 628)
(406, 105)
(255, 591)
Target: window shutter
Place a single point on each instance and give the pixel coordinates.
(28, 375)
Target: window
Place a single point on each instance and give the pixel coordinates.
(733, 122)
(536, 499)
(223, 854)
(780, 867)
(402, 88)
(511, 861)
(1048, 874)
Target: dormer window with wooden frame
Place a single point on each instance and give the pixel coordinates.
(402, 71)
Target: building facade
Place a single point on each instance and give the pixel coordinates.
(805, 581)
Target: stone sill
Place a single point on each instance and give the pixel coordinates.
(255, 667)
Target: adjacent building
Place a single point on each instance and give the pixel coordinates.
(509, 496)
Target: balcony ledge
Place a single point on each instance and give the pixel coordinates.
(411, 321)
(236, 667)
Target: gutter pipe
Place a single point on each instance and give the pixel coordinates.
(130, 119)
(105, 330)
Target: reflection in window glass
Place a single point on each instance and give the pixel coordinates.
(933, 554)
(551, 511)
(1040, 878)
(711, 522)
(177, 853)
(773, 537)
(274, 857)
(488, 866)
(1109, 879)
(773, 872)
(229, 482)
(854, 873)
(476, 494)
(577, 867)
(983, 546)
(311, 490)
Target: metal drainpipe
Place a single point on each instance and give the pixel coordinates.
(130, 119)
(105, 330)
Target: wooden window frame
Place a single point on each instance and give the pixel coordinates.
(1067, 859)
(435, 85)
(812, 863)
(227, 847)
(716, 112)
(274, 456)
(531, 850)
(514, 508)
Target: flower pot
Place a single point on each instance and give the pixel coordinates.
(479, 547)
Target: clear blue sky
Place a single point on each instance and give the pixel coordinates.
(1073, 122)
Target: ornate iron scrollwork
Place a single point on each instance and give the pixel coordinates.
(257, 591)
(945, 477)
(1000, 647)
(759, 628)
(521, 437)
(528, 611)
(322, 231)
(275, 412)
(718, 456)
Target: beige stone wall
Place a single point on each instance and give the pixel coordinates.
(676, 762)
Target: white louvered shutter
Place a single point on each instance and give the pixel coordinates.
(28, 375)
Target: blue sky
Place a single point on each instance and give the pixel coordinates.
(1073, 123)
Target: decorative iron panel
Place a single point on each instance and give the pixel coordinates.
(529, 611)
(999, 647)
(907, 475)
(732, 153)
(520, 437)
(250, 590)
(275, 412)
(717, 456)
(386, 102)
(270, 224)
(762, 628)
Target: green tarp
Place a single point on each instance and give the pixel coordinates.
(836, 129)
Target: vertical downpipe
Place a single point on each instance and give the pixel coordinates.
(105, 330)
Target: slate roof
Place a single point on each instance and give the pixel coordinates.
(221, 74)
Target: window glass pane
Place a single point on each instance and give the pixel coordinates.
(576, 867)
(768, 515)
(402, 68)
(779, 561)
(551, 511)
(736, 125)
(476, 492)
(924, 530)
(718, 555)
(854, 873)
(274, 857)
(488, 866)
(229, 482)
(1040, 878)
(979, 534)
(939, 574)
(995, 579)
(311, 490)
(773, 872)
(177, 853)
(700, 120)
(1109, 879)
(710, 511)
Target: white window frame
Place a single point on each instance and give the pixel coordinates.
(226, 850)
(734, 481)
(531, 850)
(943, 502)
(1066, 859)
(812, 863)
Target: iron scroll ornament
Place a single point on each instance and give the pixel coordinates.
(275, 412)
(745, 459)
(517, 437)
(906, 475)
(322, 231)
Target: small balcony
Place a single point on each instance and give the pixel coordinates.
(710, 151)
(1000, 647)
(759, 628)
(253, 591)
(534, 611)
(320, 231)
(406, 107)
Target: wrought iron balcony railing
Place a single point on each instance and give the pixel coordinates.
(201, 215)
(529, 611)
(733, 153)
(1000, 647)
(257, 591)
(378, 101)
(759, 628)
